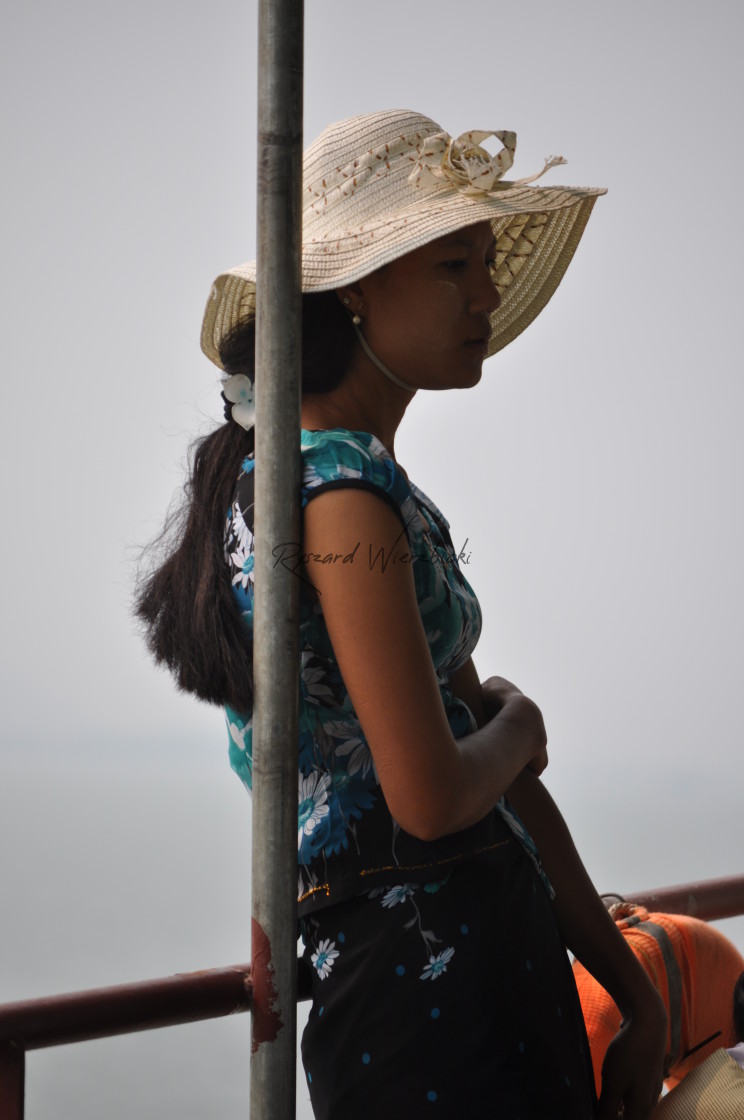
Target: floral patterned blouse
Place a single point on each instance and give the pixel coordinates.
(347, 841)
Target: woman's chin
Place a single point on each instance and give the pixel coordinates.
(473, 378)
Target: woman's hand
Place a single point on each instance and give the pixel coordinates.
(538, 762)
(496, 692)
(632, 1071)
(501, 697)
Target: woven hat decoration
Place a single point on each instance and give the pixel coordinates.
(377, 186)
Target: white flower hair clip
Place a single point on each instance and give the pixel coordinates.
(238, 391)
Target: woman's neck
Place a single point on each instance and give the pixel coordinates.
(365, 401)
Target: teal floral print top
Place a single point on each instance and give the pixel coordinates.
(347, 841)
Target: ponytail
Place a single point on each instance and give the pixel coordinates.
(191, 620)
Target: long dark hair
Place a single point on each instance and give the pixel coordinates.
(190, 619)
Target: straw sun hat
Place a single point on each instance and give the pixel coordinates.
(377, 186)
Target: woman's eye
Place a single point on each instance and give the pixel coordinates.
(454, 265)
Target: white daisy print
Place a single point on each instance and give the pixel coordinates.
(324, 957)
(242, 560)
(352, 745)
(313, 679)
(312, 805)
(238, 734)
(396, 895)
(437, 965)
(243, 535)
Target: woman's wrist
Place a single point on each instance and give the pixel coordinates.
(637, 998)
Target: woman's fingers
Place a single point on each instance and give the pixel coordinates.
(539, 761)
(632, 1071)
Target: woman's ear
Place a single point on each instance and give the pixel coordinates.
(351, 297)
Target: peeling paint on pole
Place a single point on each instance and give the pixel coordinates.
(266, 1018)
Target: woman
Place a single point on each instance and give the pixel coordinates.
(435, 936)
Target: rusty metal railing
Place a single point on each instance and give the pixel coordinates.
(101, 1012)
(191, 997)
(711, 900)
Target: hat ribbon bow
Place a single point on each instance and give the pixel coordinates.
(464, 164)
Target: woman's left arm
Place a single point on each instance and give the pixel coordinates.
(466, 686)
(632, 1069)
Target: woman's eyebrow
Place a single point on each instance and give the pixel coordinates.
(463, 242)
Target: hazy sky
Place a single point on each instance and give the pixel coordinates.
(595, 472)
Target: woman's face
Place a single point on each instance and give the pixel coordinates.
(427, 315)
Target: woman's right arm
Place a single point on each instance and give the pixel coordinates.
(433, 784)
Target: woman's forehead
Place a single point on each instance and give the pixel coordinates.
(480, 232)
(478, 236)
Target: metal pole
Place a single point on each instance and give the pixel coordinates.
(277, 521)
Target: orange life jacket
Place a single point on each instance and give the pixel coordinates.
(694, 969)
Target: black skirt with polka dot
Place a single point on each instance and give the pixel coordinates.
(446, 1000)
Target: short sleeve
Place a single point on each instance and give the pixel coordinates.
(339, 458)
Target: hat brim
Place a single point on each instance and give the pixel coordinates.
(537, 231)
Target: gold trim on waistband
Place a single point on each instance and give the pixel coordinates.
(397, 867)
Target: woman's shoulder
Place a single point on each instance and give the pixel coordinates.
(338, 457)
(334, 446)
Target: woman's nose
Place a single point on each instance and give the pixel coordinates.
(487, 296)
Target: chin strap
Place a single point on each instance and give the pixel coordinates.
(376, 361)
